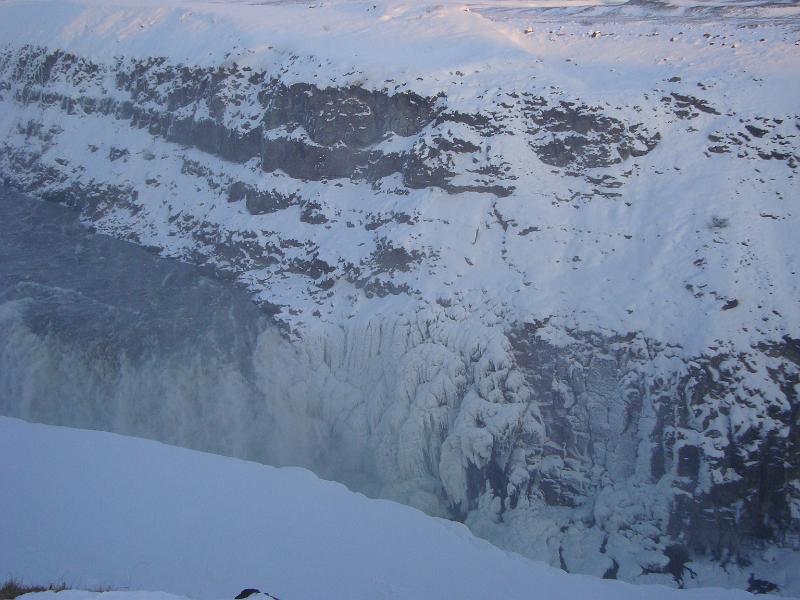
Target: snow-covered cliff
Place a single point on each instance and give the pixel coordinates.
(534, 267)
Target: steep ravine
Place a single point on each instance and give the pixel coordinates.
(585, 447)
(376, 352)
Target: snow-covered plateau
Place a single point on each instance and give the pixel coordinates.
(110, 511)
(527, 265)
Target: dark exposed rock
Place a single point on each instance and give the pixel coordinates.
(689, 458)
(259, 202)
(312, 214)
(678, 556)
(683, 101)
(766, 139)
(756, 131)
(303, 159)
(611, 572)
(582, 137)
(733, 303)
(389, 258)
(760, 586)
(315, 268)
(382, 288)
(351, 116)
(117, 153)
(396, 217)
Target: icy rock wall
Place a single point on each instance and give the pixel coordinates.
(625, 410)
(417, 409)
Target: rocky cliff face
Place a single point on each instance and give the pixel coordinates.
(565, 315)
(301, 133)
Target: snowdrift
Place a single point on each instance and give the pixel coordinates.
(99, 509)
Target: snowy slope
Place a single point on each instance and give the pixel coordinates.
(602, 259)
(534, 262)
(104, 510)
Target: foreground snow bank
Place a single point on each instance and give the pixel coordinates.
(101, 509)
(84, 595)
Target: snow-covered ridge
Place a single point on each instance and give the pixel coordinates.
(556, 118)
(105, 510)
(540, 267)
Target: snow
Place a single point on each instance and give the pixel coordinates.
(629, 264)
(98, 509)
(412, 389)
